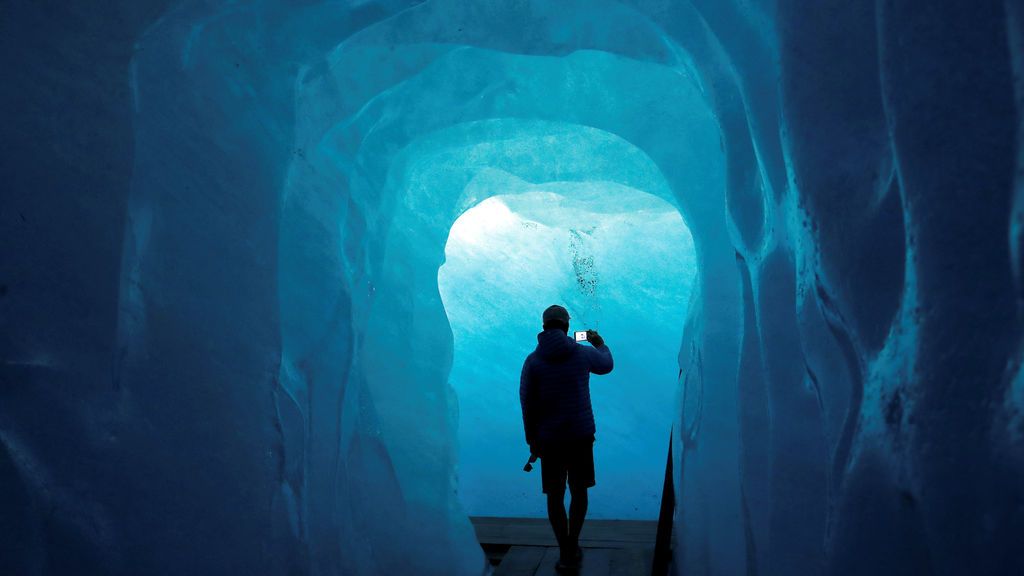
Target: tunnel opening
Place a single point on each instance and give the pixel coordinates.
(622, 261)
(407, 347)
(374, 174)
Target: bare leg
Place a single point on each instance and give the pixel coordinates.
(577, 514)
(559, 523)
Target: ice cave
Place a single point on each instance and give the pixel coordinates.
(270, 269)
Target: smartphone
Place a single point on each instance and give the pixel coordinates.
(581, 335)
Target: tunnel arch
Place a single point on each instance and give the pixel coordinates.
(315, 342)
(660, 100)
(411, 232)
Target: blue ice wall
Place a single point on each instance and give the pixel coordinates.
(218, 217)
(623, 263)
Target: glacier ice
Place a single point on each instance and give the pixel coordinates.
(224, 349)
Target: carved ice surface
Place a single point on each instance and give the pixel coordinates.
(223, 349)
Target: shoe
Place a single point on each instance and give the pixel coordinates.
(566, 567)
(570, 565)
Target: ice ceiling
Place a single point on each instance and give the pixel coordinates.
(225, 352)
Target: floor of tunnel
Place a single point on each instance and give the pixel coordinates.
(526, 546)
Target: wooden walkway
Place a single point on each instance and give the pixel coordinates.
(526, 546)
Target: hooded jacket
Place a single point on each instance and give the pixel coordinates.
(554, 389)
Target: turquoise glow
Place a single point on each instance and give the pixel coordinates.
(507, 259)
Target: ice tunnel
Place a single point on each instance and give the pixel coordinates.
(224, 344)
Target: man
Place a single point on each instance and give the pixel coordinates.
(555, 395)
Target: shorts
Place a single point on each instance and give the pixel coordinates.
(573, 460)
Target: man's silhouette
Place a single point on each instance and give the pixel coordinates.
(555, 395)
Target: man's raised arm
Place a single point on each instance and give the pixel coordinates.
(600, 356)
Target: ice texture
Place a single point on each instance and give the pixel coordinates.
(222, 345)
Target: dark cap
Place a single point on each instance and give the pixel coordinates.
(556, 312)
